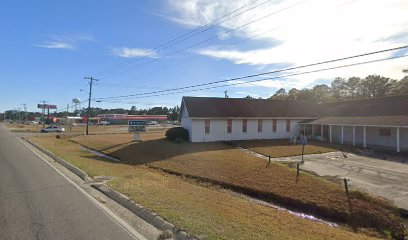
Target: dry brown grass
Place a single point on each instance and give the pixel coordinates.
(224, 165)
(282, 148)
(205, 212)
(15, 127)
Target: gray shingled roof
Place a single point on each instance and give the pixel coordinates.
(202, 107)
(396, 121)
(242, 107)
(384, 106)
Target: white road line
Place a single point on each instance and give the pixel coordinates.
(120, 222)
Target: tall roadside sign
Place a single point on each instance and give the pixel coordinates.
(44, 106)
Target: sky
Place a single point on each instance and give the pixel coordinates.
(135, 47)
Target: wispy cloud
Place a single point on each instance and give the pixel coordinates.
(126, 52)
(311, 31)
(248, 93)
(55, 44)
(64, 41)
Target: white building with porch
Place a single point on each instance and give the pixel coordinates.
(376, 122)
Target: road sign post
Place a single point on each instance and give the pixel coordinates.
(137, 126)
(303, 141)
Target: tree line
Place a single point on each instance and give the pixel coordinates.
(172, 113)
(342, 89)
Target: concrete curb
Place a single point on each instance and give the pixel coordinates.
(143, 213)
(64, 163)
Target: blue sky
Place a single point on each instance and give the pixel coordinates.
(47, 47)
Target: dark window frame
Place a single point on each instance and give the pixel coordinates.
(207, 129)
(244, 125)
(287, 125)
(229, 125)
(274, 123)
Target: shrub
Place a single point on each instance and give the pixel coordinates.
(178, 140)
(177, 132)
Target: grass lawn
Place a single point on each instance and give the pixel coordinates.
(282, 148)
(227, 166)
(15, 127)
(206, 212)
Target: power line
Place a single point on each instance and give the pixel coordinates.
(271, 78)
(257, 75)
(189, 58)
(206, 40)
(212, 50)
(187, 35)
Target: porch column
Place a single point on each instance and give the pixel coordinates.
(398, 139)
(321, 133)
(342, 134)
(312, 130)
(364, 137)
(330, 133)
(354, 135)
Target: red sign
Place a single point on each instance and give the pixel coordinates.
(84, 118)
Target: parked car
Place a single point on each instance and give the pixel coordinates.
(104, 123)
(52, 129)
(33, 123)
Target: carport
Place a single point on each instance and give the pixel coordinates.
(375, 131)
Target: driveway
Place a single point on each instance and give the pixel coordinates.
(385, 178)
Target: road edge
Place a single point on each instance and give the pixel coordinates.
(116, 219)
(145, 214)
(142, 212)
(61, 161)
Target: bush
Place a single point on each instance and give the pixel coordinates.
(178, 140)
(177, 132)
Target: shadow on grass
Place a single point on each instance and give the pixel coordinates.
(284, 143)
(366, 212)
(150, 151)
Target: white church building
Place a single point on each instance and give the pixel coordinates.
(380, 122)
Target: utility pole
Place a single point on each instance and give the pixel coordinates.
(25, 111)
(91, 79)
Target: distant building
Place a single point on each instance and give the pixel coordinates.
(124, 118)
(377, 122)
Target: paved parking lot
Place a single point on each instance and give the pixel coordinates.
(385, 178)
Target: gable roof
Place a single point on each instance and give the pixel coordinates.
(210, 107)
(199, 107)
(382, 106)
(395, 121)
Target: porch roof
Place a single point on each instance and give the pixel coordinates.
(392, 121)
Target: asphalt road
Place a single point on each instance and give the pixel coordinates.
(36, 202)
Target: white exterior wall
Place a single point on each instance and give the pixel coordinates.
(218, 130)
(372, 136)
(404, 138)
(186, 122)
